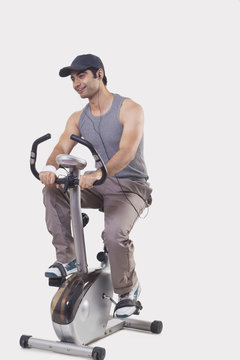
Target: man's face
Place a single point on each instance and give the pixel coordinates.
(84, 83)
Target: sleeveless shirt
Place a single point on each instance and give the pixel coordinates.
(104, 132)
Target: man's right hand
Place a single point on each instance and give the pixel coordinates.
(47, 177)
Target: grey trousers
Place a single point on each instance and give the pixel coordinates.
(122, 201)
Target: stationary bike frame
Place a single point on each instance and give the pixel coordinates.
(80, 309)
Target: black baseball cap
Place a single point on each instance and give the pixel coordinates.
(82, 62)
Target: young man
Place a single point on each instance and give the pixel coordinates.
(114, 125)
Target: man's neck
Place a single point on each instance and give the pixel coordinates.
(101, 102)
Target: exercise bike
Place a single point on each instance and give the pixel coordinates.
(81, 307)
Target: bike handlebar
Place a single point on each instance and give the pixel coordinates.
(97, 158)
(33, 155)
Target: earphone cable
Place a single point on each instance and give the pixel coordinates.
(98, 131)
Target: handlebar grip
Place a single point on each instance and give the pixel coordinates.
(39, 141)
(96, 156)
(33, 156)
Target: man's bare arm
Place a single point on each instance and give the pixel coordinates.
(132, 119)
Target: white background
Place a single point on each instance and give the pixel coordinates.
(180, 60)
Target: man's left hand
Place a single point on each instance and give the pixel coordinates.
(87, 180)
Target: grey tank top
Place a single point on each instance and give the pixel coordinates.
(105, 133)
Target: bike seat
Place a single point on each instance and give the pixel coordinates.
(70, 161)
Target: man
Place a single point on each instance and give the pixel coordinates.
(114, 125)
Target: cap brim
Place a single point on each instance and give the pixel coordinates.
(66, 71)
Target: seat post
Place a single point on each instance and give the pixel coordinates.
(77, 226)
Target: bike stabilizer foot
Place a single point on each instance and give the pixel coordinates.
(96, 353)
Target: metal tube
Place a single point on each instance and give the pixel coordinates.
(137, 324)
(77, 227)
(60, 347)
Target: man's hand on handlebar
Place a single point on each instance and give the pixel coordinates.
(87, 180)
(47, 177)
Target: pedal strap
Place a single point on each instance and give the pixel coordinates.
(60, 267)
(128, 303)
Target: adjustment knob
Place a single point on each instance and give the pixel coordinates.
(102, 256)
(85, 219)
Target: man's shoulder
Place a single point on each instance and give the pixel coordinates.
(129, 105)
(75, 116)
(77, 113)
(131, 111)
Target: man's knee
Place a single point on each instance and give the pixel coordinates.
(49, 192)
(114, 237)
(52, 193)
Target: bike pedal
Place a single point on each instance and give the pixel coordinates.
(57, 282)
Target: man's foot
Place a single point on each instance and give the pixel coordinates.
(127, 304)
(58, 269)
